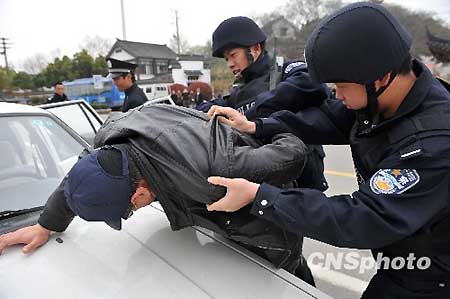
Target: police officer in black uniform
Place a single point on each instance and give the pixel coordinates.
(396, 117)
(253, 94)
(122, 73)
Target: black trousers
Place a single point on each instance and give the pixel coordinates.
(385, 285)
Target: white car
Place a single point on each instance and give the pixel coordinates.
(90, 260)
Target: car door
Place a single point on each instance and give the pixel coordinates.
(78, 115)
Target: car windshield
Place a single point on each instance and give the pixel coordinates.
(36, 153)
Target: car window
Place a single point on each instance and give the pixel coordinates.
(94, 121)
(36, 153)
(74, 117)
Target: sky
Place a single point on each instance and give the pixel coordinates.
(58, 27)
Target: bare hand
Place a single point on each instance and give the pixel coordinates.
(240, 193)
(32, 236)
(232, 118)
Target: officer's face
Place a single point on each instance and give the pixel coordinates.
(237, 61)
(123, 83)
(352, 95)
(59, 89)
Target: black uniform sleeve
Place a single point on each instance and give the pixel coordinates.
(365, 219)
(295, 92)
(57, 215)
(204, 106)
(328, 124)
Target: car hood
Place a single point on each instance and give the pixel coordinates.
(145, 259)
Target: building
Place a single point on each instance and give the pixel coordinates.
(191, 68)
(157, 62)
(439, 47)
(284, 37)
(280, 28)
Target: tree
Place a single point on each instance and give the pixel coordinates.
(100, 66)
(96, 46)
(6, 78)
(83, 64)
(59, 70)
(221, 76)
(40, 80)
(301, 12)
(205, 50)
(23, 80)
(184, 45)
(35, 64)
(415, 22)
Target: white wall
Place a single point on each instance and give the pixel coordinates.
(206, 77)
(191, 65)
(179, 76)
(122, 55)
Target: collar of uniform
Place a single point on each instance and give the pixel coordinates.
(414, 98)
(258, 68)
(132, 87)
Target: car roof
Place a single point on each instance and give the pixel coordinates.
(7, 108)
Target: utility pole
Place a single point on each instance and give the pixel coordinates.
(124, 32)
(178, 32)
(4, 46)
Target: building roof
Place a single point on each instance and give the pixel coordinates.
(145, 50)
(158, 78)
(193, 72)
(439, 47)
(267, 28)
(191, 57)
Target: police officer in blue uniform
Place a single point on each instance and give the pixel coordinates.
(242, 43)
(123, 76)
(396, 117)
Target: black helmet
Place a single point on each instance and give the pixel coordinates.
(359, 43)
(236, 32)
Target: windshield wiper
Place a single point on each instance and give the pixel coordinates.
(12, 213)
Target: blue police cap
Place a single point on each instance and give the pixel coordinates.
(96, 194)
(118, 67)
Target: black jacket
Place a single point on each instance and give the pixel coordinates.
(57, 98)
(294, 92)
(177, 149)
(254, 80)
(134, 97)
(403, 169)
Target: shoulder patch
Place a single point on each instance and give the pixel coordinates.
(290, 66)
(393, 181)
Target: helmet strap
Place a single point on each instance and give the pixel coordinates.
(367, 114)
(249, 56)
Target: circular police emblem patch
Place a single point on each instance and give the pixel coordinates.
(393, 181)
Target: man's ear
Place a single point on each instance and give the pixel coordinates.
(383, 81)
(256, 50)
